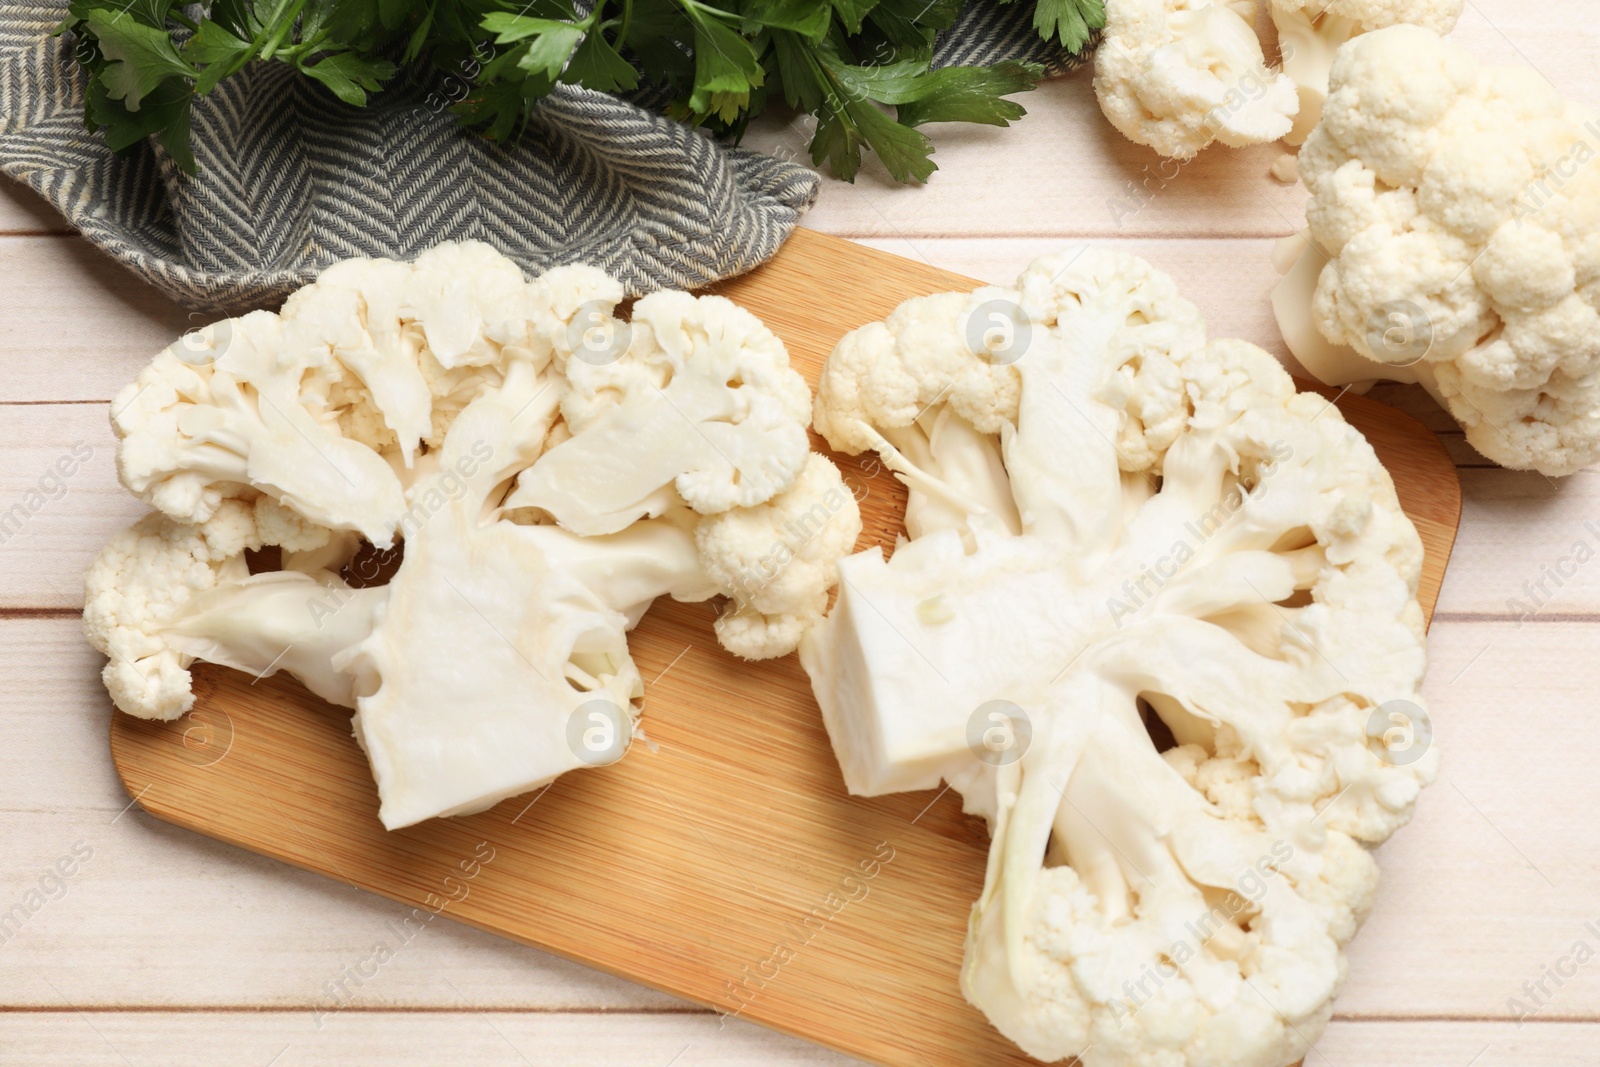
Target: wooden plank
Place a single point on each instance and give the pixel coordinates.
(59, 500)
(201, 923)
(1082, 179)
(1456, 1044)
(269, 935)
(54, 727)
(484, 1039)
(1557, 38)
(149, 887)
(73, 337)
(1493, 881)
(77, 325)
(651, 868)
(1063, 170)
(1528, 547)
(492, 1039)
(41, 565)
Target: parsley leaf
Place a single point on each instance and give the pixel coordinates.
(599, 66)
(972, 94)
(138, 58)
(351, 77)
(1072, 22)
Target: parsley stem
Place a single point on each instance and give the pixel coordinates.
(244, 58)
(285, 25)
(627, 18)
(707, 9)
(295, 54)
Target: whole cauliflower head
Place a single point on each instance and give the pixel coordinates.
(1456, 219)
(1175, 672)
(1179, 75)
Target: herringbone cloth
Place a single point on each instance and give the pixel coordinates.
(292, 180)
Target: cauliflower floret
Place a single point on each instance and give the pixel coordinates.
(701, 402)
(324, 406)
(1453, 221)
(779, 560)
(930, 390)
(278, 525)
(140, 580)
(163, 593)
(1178, 75)
(1311, 32)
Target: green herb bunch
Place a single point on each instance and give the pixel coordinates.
(862, 67)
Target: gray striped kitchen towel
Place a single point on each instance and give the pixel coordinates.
(292, 180)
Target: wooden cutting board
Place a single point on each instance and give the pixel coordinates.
(722, 861)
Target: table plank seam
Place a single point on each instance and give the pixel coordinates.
(348, 1009)
(689, 1010)
(1543, 618)
(894, 233)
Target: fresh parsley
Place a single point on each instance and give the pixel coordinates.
(861, 67)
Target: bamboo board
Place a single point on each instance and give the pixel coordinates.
(722, 861)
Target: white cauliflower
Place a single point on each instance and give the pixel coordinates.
(548, 469)
(702, 405)
(1455, 242)
(1311, 32)
(778, 560)
(1154, 624)
(164, 593)
(1179, 75)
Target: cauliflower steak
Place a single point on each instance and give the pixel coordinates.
(549, 470)
(1154, 617)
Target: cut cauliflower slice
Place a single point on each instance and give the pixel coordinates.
(545, 484)
(1202, 556)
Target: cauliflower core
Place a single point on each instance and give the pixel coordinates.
(1120, 533)
(1455, 242)
(549, 469)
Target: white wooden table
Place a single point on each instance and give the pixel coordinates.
(163, 948)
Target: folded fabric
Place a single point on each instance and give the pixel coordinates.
(291, 179)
